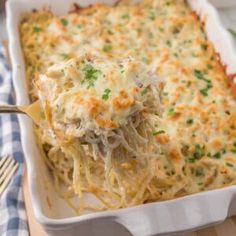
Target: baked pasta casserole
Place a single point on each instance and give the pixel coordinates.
(157, 115)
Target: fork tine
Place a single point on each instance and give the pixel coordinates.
(6, 168)
(8, 178)
(4, 158)
(5, 165)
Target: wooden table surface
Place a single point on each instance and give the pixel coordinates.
(227, 228)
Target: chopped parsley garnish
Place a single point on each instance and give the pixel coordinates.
(90, 75)
(176, 54)
(204, 91)
(200, 183)
(168, 42)
(198, 152)
(107, 47)
(209, 66)
(200, 75)
(144, 91)
(217, 155)
(158, 132)
(198, 172)
(64, 21)
(165, 93)
(223, 151)
(125, 16)
(65, 56)
(152, 15)
(139, 30)
(106, 93)
(189, 121)
(78, 26)
(169, 3)
(145, 60)
(190, 160)
(36, 29)
(171, 111)
(229, 164)
(233, 33)
(233, 150)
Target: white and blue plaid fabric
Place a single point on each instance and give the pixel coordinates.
(13, 220)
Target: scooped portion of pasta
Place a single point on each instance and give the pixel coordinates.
(102, 114)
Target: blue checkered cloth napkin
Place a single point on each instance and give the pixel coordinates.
(13, 220)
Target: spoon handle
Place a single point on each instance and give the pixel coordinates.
(11, 109)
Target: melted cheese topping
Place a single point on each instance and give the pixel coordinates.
(198, 129)
(94, 93)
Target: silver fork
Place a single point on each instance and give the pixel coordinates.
(8, 167)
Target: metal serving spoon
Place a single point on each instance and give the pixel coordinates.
(34, 111)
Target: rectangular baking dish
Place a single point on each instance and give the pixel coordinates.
(160, 218)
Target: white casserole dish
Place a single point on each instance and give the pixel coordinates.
(168, 217)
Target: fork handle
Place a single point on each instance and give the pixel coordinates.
(11, 109)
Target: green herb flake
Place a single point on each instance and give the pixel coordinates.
(198, 152)
(65, 56)
(144, 91)
(107, 47)
(79, 26)
(146, 60)
(223, 151)
(36, 29)
(233, 150)
(189, 121)
(199, 172)
(217, 155)
(190, 160)
(125, 16)
(168, 42)
(204, 92)
(176, 54)
(152, 15)
(169, 3)
(171, 112)
(200, 183)
(209, 66)
(165, 93)
(229, 164)
(64, 22)
(90, 75)
(200, 75)
(105, 95)
(158, 132)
